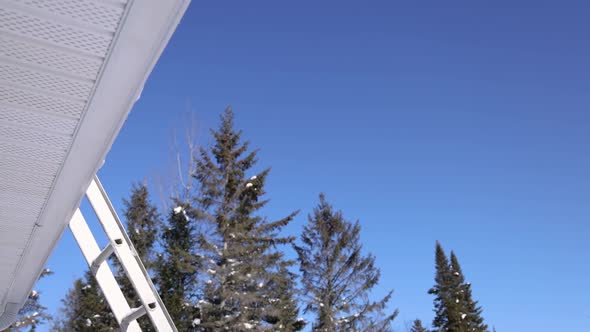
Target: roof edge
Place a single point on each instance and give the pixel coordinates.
(147, 28)
(8, 316)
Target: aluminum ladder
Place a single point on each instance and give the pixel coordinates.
(121, 246)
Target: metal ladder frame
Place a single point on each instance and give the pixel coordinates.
(121, 246)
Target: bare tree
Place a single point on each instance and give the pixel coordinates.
(175, 181)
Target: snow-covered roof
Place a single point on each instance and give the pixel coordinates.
(70, 71)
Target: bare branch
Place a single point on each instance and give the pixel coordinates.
(176, 181)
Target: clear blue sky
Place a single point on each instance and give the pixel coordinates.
(462, 121)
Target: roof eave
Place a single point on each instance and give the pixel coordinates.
(147, 28)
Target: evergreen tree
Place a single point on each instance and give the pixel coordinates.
(470, 311)
(142, 221)
(284, 315)
(417, 326)
(455, 311)
(85, 309)
(446, 313)
(243, 268)
(337, 277)
(32, 313)
(177, 270)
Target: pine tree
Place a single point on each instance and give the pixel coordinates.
(177, 270)
(142, 221)
(85, 309)
(337, 277)
(32, 313)
(455, 311)
(470, 311)
(243, 268)
(417, 326)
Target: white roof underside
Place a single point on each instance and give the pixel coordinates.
(70, 71)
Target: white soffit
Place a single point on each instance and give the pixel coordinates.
(70, 71)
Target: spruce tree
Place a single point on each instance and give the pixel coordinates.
(455, 311)
(32, 314)
(417, 326)
(246, 285)
(285, 310)
(337, 277)
(142, 221)
(446, 313)
(470, 312)
(177, 270)
(85, 309)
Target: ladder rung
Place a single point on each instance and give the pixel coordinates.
(134, 314)
(104, 254)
